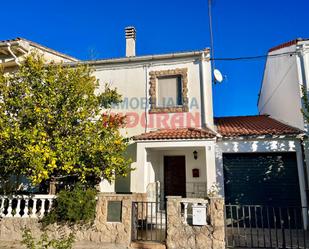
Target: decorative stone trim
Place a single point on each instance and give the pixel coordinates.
(154, 75)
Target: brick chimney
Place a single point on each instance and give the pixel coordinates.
(130, 41)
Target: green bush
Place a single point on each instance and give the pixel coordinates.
(73, 206)
(45, 242)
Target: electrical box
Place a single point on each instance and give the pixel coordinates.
(199, 214)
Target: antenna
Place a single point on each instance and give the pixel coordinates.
(216, 76)
(211, 32)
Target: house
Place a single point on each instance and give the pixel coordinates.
(286, 72)
(179, 148)
(13, 51)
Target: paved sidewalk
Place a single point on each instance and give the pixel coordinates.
(77, 245)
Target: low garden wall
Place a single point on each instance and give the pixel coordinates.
(100, 231)
(181, 235)
(112, 226)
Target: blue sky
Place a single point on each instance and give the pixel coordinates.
(95, 29)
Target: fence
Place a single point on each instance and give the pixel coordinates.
(25, 206)
(256, 226)
(148, 222)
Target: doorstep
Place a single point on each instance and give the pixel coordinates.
(147, 245)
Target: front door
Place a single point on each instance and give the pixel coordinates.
(174, 176)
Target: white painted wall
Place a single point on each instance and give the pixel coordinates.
(132, 81)
(280, 94)
(149, 162)
(156, 165)
(260, 145)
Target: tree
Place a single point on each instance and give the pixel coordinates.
(51, 124)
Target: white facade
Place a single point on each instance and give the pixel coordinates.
(286, 71)
(131, 77)
(151, 154)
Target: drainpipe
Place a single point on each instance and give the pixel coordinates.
(303, 149)
(206, 94)
(304, 74)
(146, 96)
(12, 53)
(302, 146)
(302, 59)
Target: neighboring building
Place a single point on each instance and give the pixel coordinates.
(286, 72)
(179, 148)
(13, 51)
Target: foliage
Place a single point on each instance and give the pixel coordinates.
(76, 205)
(45, 243)
(305, 109)
(51, 124)
(214, 190)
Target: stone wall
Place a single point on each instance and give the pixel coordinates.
(179, 234)
(99, 231)
(184, 236)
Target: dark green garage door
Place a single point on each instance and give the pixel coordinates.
(261, 179)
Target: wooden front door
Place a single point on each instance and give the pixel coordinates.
(174, 176)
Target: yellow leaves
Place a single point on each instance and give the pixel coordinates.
(68, 167)
(37, 109)
(118, 142)
(4, 135)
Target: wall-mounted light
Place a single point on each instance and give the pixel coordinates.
(195, 154)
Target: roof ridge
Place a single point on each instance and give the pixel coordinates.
(286, 44)
(243, 116)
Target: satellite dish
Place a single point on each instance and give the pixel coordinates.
(218, 76)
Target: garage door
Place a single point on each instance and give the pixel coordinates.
(261, 179)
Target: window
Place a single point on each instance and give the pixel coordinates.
(168, 91)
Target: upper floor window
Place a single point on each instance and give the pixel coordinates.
(168, 91)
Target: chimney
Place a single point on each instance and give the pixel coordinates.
(130, 41)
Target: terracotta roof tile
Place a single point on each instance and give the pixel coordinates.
(178, 133)
(252, 125)
(228, 127)
(286, 44)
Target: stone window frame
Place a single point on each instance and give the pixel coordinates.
(154, 75)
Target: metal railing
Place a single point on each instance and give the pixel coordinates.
(148, 222)
(25, 206)
(256, 226)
